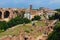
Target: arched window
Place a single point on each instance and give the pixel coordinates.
(6, 14)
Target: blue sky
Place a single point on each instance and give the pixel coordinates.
(53, 4)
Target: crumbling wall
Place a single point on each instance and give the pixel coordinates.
(21, 36)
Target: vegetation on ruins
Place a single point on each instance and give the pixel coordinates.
(18, 20)
(3, 26)
(22, 14)
(55, 35)
(37, 17)
(28, 28)
(57, 10)
(51, 17)
(55, 16)
(13, 22)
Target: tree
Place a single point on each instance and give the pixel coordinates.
(17, 20)
(57, 10)
(55, 35)
(3, 25)
(55, 16)
(36, 17)
(51, 17)
(13, 22)
(25, 20)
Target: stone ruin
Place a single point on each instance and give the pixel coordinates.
(21, 36)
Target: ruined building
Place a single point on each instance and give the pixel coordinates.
(8, 13)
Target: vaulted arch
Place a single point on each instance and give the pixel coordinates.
(25, 38)
(6, 14)
(0, 14)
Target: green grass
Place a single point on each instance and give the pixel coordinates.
(26, 27)
(40, 23)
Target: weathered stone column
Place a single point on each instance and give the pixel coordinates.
(21, 37)
(11, 14)
(2, 15)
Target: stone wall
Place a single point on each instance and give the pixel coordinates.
(8, 11)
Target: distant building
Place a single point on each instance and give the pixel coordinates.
(28, 15)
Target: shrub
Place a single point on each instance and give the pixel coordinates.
(17, 20)
(25, 20)
(55, 16)
(13, 22)
(3, 25)
(1, 31)
(55, 35)
(28, 31)
(36, 18)
(51, 17)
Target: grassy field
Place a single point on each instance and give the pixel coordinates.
(26, 27)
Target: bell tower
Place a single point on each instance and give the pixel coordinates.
(30, 7)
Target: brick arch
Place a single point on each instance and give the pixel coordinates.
(6, 14)
(0, 15)
(10, 13)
